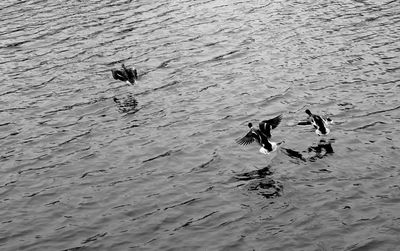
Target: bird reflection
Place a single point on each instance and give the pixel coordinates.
(260, 182)
(321, 149)
(317, 151)
(293, 154)
(126, 104)
(255, 174)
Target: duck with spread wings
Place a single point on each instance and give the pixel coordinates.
(320, 123)
(262, 135)
(128, 75)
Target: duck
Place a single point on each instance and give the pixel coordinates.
(320, 123)
(128, 75)
(262, 135)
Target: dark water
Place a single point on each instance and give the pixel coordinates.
(160, 169)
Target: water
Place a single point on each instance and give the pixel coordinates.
(160, 170)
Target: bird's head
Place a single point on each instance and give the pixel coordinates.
(308, 112)
(250, 125)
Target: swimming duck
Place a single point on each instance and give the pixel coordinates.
(319, 123)
(127, 75)
(262, 135)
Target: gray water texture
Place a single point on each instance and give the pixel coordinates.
(91, 163)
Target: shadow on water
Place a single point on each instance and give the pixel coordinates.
(256, 174)
(321, 149)
(261, 183)
(316, 151)
(267, 187)
(261, 180)
(127, 104)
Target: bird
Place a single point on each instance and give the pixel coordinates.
(262, 135)
(125, 74)
(320, 124)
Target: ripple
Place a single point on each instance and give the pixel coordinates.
(85, 156)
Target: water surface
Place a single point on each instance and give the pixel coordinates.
(80, 172)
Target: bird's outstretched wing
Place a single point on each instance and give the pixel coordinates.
(247, 139)
(304, 122)
(266, 125)
(130, 75)
(118, 75)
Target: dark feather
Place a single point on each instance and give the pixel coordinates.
(304, 122)
(247, 139)
(118, 75)
(262, 134)
(131, 77)
(125, 74)
(320, 123)
(274, 122)
(267, 125)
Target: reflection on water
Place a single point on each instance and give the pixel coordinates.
(293, 153)
(321, 149)
(267, 187)
(261, 182)
(126, 104)
(255, 174)
(318, 150)
(91, 163)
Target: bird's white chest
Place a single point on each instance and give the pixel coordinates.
(319, 133)
(266, 152)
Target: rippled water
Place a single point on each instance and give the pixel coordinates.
(160, 169)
